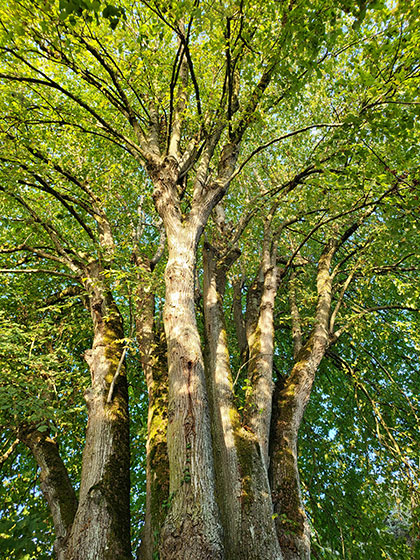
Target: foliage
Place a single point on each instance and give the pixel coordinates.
(82, 84)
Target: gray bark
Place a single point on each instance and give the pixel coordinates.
(192, 527)
(241, 476)
(260, 335)
(55, 485)
(290, 400)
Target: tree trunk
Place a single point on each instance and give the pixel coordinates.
(101, 528)
(55, 485)
(260, 335)
(154, 364)
(242, 484)
(290, 400)
(289, 404)
(98, 527)
(192, 528)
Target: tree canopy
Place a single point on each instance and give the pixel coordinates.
(210, 215)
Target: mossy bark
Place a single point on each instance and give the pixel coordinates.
(260, 334)
(101, 528)
(157, 468)
(291, 523)
(290, 400)
(152, 347)
(259, 327)
(242, 483)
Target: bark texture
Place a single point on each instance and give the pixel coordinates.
(242, 484)
(98, 526)
(101, 528)
(55, 485)
(260, 335)
(152, 347)
(192, 527)
(290, 400)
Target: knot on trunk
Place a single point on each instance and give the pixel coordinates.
(88, 396)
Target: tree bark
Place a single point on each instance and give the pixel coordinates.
(192, 528)
(101, 528)
(260, 335)
(290, 400)
(241, 477)
(154, 364)
(55, 484)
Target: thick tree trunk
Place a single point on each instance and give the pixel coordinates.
(101, 528)
(192, 528)
(242, 484)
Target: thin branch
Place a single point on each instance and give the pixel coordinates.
(252, 105)
(9, 452)
(130, 112)
(120, 364)
(279, 139)
(53, 234)
(37, 271)
(135, 150)
(38, 251)
(359, 314)
(43, 186)
(341, 297)
(377, 413)
(389, 376)
(187, 52)
(174, 78)
(176, 124)
(160, 249)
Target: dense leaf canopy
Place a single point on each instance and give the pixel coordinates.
(323, 98)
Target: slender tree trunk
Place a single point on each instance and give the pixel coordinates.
(289, 404)
(55, 485)
(242, 484)
(154, 364)
(239, 320)
(290, 400)
(260, 334)
(101, 528)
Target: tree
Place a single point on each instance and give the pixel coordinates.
(130, 130)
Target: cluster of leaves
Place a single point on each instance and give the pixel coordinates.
(71, 8)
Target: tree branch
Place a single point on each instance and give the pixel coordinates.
(9, 452)
(279, 139)
(37, 271)
(359, 314)
(295, 315)
(54, 480)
